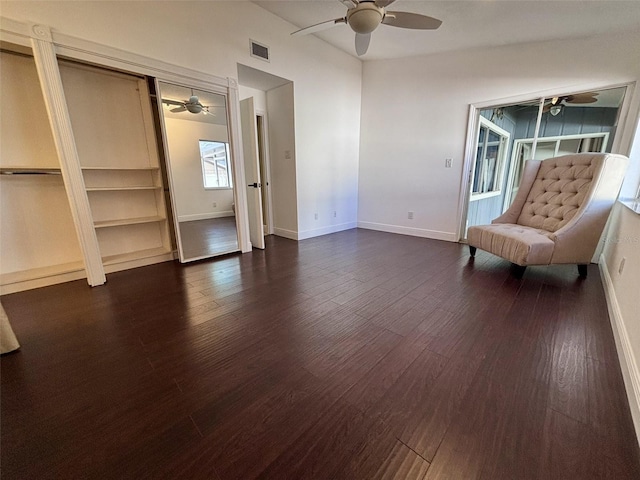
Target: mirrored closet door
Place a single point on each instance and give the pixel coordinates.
(200, 170)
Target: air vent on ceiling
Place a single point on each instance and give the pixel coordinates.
(259, 50)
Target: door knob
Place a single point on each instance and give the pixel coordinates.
(255, 185)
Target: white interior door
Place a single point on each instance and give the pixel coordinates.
(252, 171)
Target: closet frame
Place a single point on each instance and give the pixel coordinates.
(48, 48)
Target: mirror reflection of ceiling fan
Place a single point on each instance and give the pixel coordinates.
(364, 16)
(556, 104)
(192, 105)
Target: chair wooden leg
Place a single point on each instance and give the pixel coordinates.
(582, 271)
(518, 270)
(472, 251)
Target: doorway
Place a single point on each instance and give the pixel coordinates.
(268, 131)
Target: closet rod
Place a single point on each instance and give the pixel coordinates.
(7, 171)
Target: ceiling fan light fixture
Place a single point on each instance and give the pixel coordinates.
(365, 18)
(194, 105)
(555, 110)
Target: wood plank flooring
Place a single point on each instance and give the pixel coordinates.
(357, 355)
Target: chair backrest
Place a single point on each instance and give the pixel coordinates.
(559, 190)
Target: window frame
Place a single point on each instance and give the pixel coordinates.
(500, 164)
(213, 161)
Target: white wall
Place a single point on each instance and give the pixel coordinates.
(213, 37)
(193, 201)
(415, 114)
(623, 242)
(259, 97)
(282, 156)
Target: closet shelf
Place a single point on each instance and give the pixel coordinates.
(128, 221)
(123, 188)
(137, 255)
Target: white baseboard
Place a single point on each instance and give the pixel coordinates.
(205, 216)
(282, 232)
(628, 363)
(415, 232)
(317, 232)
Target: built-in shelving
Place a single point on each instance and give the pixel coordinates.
(123, 188)
(120, 164)
(39, 244)
(128, 221)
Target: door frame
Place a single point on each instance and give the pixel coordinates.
(621, 143)
(266, 181)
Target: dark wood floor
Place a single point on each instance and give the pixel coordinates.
(211, 236)
(358, 355)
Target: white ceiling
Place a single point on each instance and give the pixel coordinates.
(466, 24)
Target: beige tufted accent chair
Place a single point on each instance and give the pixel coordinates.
(559, 212)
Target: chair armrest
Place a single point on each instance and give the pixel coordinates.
(576, 241)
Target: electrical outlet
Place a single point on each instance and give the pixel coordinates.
(621, 267)
(315, 215)
(410, 215)
(448, 162)
(335, 214)
(287, 155)
(215, 204)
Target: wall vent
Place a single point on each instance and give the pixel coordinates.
(258, 50)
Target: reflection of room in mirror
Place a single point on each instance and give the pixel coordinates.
(200, 168)
(208, 237)
(576, 122)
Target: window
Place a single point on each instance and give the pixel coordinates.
(491, 154)
(216, 165)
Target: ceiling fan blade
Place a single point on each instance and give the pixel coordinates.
(411, 20)
(362, 43)
(172, 102)
(589, 97)
(181, 108)
(320, 26)
(384, 3)
(349, 3)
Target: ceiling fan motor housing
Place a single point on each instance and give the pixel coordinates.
(365, 18)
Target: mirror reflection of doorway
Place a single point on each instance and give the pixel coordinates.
(200, 170)
(573, 123)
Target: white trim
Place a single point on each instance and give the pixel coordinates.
(414, 232)
(628, 364)
(316, 232)
(467, 166)
(283, 232)
(237, 160)
(500, 163)
(482, 196)
(54, 98)
(205, 216)
(103, 55)
(42, 281)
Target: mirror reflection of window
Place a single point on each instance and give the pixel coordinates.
(216, 167)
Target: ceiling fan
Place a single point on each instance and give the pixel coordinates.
(192, 105)
(556, 104)
(364, 16)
